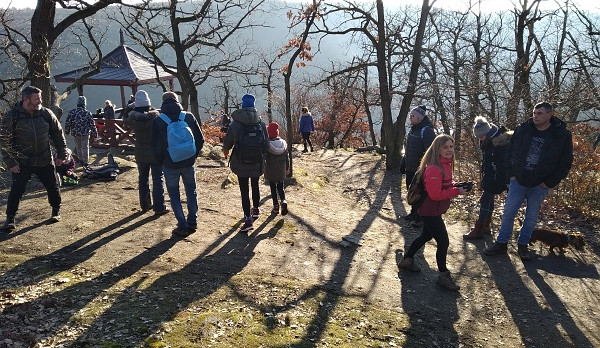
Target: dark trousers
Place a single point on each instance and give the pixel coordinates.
(433, 228)
(486, 206)
(306, 139)
(244, 190)
(47, 176)
(277, 188)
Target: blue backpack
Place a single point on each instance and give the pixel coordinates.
(180, 139)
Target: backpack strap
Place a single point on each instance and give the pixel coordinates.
(165, 118)
(182, 116)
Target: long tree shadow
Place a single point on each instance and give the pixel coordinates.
(166, 296)
(529, 316)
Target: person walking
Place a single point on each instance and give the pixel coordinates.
(174, 170)
(493, 141)
(539, 156)
(81, 126)
(26, 133)
(419, 138)
(140, 119)
(276, 168)
(437, 165)
(247, 139)
(307, 126)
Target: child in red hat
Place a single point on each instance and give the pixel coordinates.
(276, 168)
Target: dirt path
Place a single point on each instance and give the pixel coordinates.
(342, 236)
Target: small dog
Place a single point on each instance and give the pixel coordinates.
(555, 239)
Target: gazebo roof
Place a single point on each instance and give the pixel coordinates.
(123, 66)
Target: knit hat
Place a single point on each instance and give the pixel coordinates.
(419, 111)
(141, 99)
(273, 130)
(169, 94)
(483, 127)
(81, 101)
(248, 101)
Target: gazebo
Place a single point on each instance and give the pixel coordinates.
(121, 67)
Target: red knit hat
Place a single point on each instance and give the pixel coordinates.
(273, 130)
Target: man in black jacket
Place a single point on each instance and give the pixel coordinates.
(174, 170)
(25, 136)
(539, 156)
(418, 140)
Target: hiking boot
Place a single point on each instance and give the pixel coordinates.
(304, 151)
(55, 217)
(275, 210)
(523, 252)
(496, 249)
(247, 225)
(192, 228)
(446, 281)
(181, 231)
(410, 217)
(162, 212)
(476, 232)
(409, 264)
(255, 213)
(284, 209)
(9, 224)
(485, 226)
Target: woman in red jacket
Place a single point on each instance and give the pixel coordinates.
(437, 164)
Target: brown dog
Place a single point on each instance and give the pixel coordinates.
(555, 239)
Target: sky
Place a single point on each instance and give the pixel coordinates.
(488, 5)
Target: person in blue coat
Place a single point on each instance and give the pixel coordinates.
(307, 126)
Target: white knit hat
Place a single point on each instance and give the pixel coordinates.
(141, 99)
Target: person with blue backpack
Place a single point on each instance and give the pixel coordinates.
(177, 142)
(247, 136)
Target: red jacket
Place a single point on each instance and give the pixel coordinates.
(439, 189)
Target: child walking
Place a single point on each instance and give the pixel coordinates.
(437, 165)
(276, 168)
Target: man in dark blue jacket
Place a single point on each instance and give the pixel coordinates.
(539, 156)
(418, 140)
(183, 169)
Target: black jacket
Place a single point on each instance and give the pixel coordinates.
(25, 138)
(141, 122)
(493, 170)
(172, 108)
(416, 145)
(556, 155)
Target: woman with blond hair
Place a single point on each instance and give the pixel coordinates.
(306, 127)
(436, 167)
(109, 110)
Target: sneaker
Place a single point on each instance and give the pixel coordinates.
(284, 209)
(523, 252)
(304, 151)
(181, 231)
(55, 217)
(496, 249)
(409, 264)
(446, 281)
(162, 212)
(275, 210)
(247, 225)
(255, 213)
(192, 228)
(9, 225)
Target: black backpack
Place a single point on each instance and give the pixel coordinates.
(250, 145)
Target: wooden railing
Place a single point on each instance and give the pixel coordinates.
(113, 133)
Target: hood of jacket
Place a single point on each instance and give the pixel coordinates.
(556, 124)
(171, 108)
(277, 146)
(144, 115)
(246, 116)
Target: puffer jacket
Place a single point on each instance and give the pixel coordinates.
(440, 189)
(141, 122)
(416, 145)
(556, 155)
(306, 124)
(493, 170)
(241, 117)
(25, 138)
(276, 160)
(172, 109)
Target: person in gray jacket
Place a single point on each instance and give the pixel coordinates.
(26, 133)
(246, 122)
(276, 168)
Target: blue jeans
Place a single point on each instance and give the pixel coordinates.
(158, 190)
(517, 194)
(188, 175)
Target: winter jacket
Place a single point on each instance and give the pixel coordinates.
(109, 112)
(141, 122)
(306, 124)
(439, 189)
(417, 144)
(556, 155)
(80, 122)
(493, 170)
(172, 109)
(241, 117)
(276, 161)
(25, 138)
